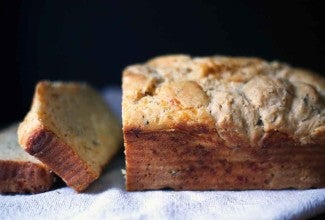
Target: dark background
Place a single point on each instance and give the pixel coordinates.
(94, 40)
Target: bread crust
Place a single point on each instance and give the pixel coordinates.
(48, 148)
(194, 158)
(24, 177)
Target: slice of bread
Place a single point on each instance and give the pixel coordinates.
(20, 172)
(71, 130)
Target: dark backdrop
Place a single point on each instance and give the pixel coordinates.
(94, 40)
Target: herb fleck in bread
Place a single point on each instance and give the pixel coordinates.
(20, 172)
(222, 123)
(71, 130)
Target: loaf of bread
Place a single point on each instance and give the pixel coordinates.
(20, 172)
(71, 130)
(222, 123)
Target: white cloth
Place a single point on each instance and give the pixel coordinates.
(106, 198)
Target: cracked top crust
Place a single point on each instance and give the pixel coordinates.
(244, 100)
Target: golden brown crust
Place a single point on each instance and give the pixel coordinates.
(247, 96)
(24, 177)
(196, 159)
(49, 149)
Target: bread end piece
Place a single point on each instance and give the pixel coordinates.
(71, 130)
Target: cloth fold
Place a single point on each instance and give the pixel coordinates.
(106, 198)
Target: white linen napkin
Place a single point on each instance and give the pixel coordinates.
(106, 198)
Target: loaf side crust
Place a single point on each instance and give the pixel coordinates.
(48, 148)
(187, 158)
(24, 177)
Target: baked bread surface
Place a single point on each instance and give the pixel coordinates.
(222, 123)
(20, 172)
(70, 129)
